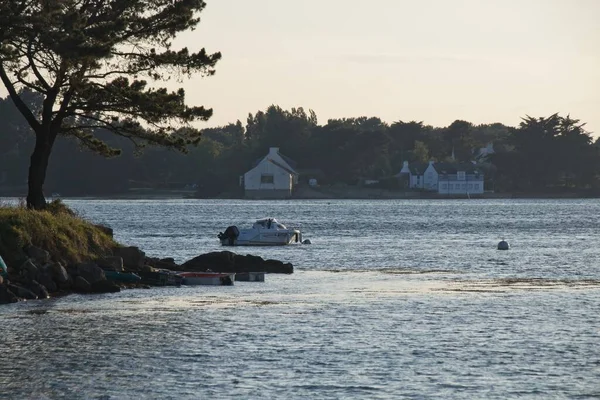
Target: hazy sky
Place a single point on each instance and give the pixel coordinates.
(427, 60)
(432, 60)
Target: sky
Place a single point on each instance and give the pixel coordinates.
(434, 61)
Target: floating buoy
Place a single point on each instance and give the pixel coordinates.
(306, 241)
(503, 245)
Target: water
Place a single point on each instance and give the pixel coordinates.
(394, 299)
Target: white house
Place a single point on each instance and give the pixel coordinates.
(443, 178)
(272, 177)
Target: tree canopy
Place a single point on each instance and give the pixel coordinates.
(95, 64)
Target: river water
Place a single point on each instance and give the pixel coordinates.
(393, 299)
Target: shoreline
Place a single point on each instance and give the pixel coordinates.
(327, 194)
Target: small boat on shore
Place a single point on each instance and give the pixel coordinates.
(264, 232)
(125, 277)
(161, 278)
(250, 276)
(207, 278)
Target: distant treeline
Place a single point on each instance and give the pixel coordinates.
(554, 153)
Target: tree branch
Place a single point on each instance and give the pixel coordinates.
(21, 106)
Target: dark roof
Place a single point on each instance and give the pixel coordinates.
(418, 168)
(288, 160)
(286, 169)
(453, 168)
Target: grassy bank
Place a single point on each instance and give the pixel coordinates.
(67, 237)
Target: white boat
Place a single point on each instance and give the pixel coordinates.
(264, 232)
(207, 278)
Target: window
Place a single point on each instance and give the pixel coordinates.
(266, 178)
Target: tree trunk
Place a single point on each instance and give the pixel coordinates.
(37, 172)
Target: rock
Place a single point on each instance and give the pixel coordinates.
(45, 279)
(133, 257)
(22, 292)
(39, 290)
(222, 261)
(148, 268)
(105, 287)
(277, 267)
(503, 245)
(6, 296)
(81, 285)
(39, 255)
(91, 272)
(248, 263)
(226, 261)
(306, 241)
(107, 230)
(29, 270)
(111, 263)
(59, 273)
(163, 263)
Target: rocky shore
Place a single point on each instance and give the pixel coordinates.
(40, 277)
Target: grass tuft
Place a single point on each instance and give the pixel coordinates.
(58, 230)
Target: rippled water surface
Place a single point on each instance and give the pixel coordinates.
(394, 299)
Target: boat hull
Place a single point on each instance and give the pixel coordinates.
(125, 277)
(250, 276)
(263, 239)
(207, 278)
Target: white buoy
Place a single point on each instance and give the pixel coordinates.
(503, 245)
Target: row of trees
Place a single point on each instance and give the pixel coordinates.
(541, 154)
(84, 75)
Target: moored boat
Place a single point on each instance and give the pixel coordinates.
(264, 232)
(207, 278)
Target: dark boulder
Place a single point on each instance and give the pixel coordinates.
(39, 255)
(39, 290)
(220, 261)
(81, 285)
(22, 292)
(226, 261)
(133, 257)
(29, 270)
(91, 272)
(105, 287)
(59, 273)
(45, 279)
(277, 267)
(6, 296)
(162, 263)
(112, 263)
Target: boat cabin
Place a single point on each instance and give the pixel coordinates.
(268, 223)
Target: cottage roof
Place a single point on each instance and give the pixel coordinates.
(286, 169)
(453, 168)
(288, 160)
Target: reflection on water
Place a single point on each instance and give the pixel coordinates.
(394, 300)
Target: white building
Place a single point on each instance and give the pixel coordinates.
(272, 177)
(443, 178)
